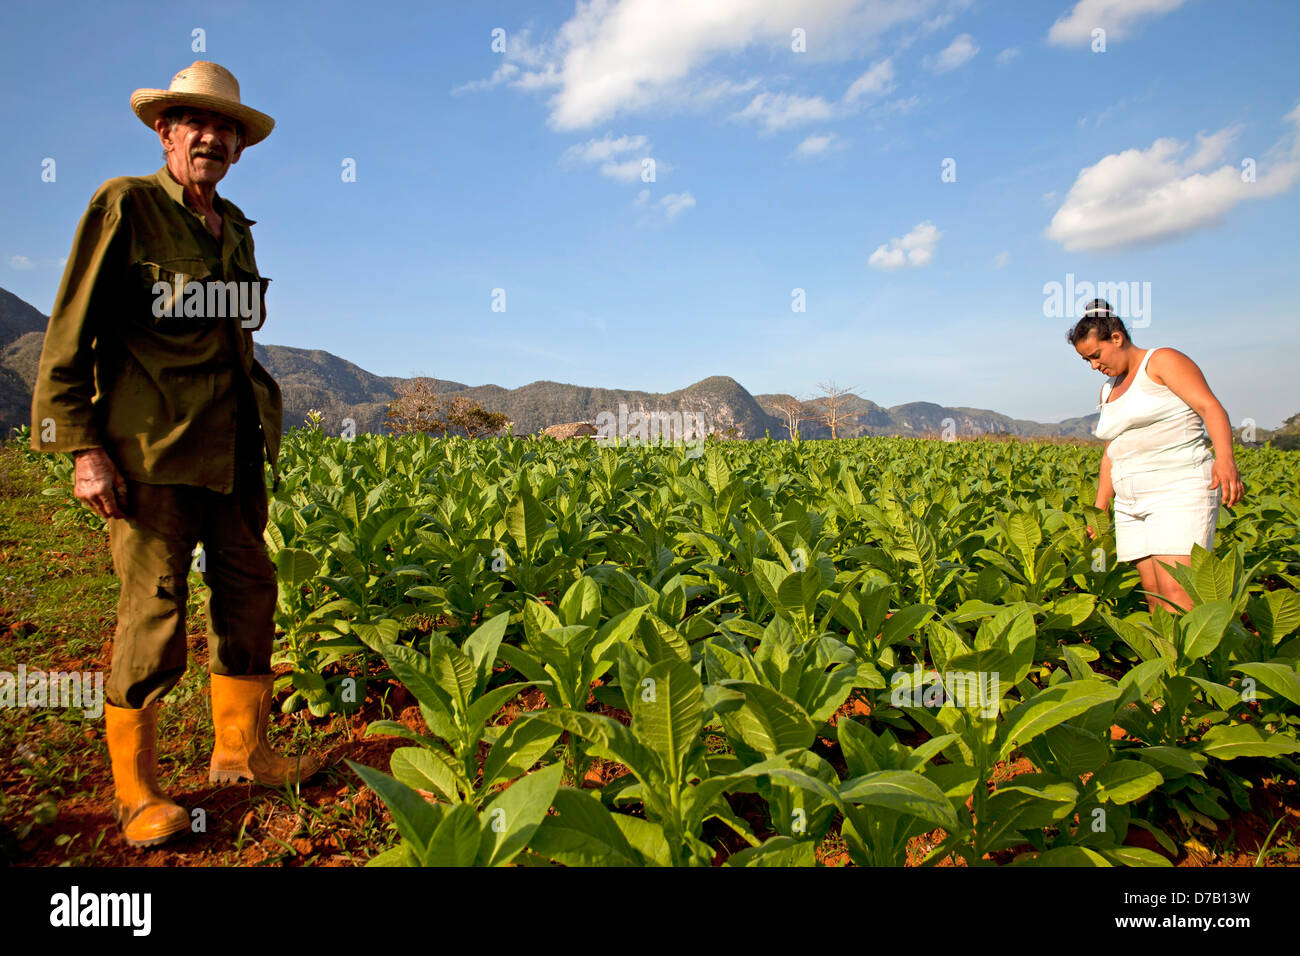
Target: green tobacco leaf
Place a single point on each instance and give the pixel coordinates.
(1076, 750)
(456, 841)
(1245, 740)
(414, 818)
(483, 643)
(1062, 856)
(1212, 577)
(1071, 610)
(399, 855)
(424, 769)
(1123, 781)
(1278, 677)
(612, 740)
(295, 567)
(394, 729)
(1025, 534)
(646, 838)
(901, 791)
(582, 832)
(776, 851)
(581, 603)
(1172, 762)
(1202, 628)
(523, 743)
(376, 635)
(1275, 613)
(903, 623)
(1018, 807)
(510, 820)
(668, 714)
(1133, 856)
(799, 592)
(525, 522)
(769, 721)
(1049, 707)
(454, 673)
(416, 674)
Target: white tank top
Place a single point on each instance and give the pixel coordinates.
(1150, 428)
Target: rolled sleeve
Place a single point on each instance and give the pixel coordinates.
(63, 413)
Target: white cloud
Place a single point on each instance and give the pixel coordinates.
(675, 203)
(1007, 55)
(877, 81)
(958, 52)
(776, 111)
(818, 144)
(502, 74)
(606, 148)
(1149, 195)
(21, 263)
(1117, 17)
(610, 153)
(627, 170)
(914, 250)
(897, 107)
(1001, 259)
(615, 56)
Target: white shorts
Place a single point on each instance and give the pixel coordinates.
(1165, 512)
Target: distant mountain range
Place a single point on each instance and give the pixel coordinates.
(312, 379)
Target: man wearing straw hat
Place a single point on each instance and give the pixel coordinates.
(147, 377)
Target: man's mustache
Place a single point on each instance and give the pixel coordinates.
(209, 153)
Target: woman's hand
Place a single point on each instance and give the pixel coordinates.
(1100, 505)
(1232, 488)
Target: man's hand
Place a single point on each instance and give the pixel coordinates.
(99, 485)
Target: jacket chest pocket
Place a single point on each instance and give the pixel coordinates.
(183, 295)
(179, 295)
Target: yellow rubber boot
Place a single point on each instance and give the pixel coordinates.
(145, 814)
(240, 709)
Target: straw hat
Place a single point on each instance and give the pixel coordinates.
(207, 86)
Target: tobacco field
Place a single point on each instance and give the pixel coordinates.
(636, 656)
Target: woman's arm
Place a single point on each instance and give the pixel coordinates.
(1181, 375)
(1105, 489)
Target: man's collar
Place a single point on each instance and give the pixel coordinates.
(177, 192)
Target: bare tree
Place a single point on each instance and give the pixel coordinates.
(793, 411)
(417, 408)
(831, 406)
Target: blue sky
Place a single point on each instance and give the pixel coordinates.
(775, 169)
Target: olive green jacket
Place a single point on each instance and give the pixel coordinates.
(123, 367)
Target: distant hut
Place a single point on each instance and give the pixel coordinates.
(571, 430)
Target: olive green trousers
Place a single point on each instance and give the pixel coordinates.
(153, 554)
